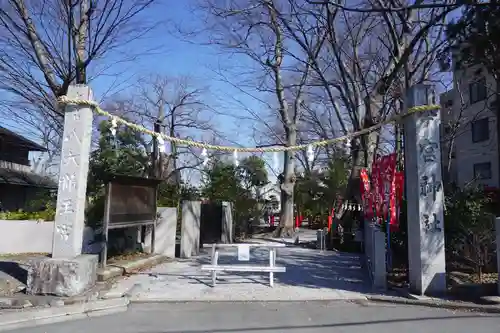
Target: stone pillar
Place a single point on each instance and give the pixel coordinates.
(424, 194)
(497, 231)
(73, 171)
(166, 230)
(227, 223)
(190, 228)
(68, 273)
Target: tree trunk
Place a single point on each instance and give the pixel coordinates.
(286, 227)
(363, 152)
(81, 43)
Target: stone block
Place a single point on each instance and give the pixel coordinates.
(166, 230)
(190, 228)
(227, 223)
(62, 277)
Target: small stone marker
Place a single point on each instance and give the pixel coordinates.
(73, 171)
(243, 252)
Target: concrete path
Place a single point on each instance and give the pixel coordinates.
(278, 317)
(311, 275)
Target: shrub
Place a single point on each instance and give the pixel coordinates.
(469, 228)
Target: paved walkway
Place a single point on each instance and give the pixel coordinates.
(310, 275)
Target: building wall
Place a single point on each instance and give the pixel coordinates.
(15, 197)
(469, 153)
(14, 153)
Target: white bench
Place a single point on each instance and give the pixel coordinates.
(271, 268)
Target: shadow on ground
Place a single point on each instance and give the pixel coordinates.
(305, 267)
(13, 270)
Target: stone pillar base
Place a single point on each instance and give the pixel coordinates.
(62, 277)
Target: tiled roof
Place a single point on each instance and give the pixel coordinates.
(16, 177)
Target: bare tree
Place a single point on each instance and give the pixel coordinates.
(253, 29)
(180, 108)
(369, 59)
(47, 45)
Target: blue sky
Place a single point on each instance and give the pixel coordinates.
(179, 58)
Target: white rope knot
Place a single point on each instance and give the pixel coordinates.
(114, 126)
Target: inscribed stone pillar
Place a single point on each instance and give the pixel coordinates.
(424, 194)
(73, 171)
(190, 228)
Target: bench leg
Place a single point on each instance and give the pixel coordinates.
(214, 278)
(271, 264)
(215, 261)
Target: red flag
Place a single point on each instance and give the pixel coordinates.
(387, 172)
(400, 182)
(393, 222)
(376, 182)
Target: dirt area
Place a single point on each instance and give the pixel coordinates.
(13, 271)
(127, 257)
(461, 286)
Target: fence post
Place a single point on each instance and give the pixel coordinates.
(379, 262)
(424, 194)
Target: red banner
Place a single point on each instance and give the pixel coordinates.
(365, 182)
(400, 181)
(388, 172)
(365, 191)
(383, 190)
(396, 198)
(376, 199)
(393, 222)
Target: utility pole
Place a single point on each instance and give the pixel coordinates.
(153, 171)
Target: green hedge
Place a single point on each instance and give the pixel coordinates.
(46, 215)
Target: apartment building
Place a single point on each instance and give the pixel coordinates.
(470, 149)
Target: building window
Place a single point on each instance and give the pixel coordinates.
(448, 103)
(480, 130)
(482, 170)
(477, 91)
